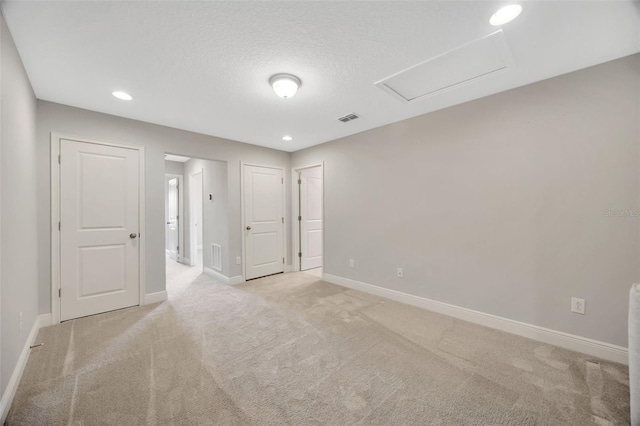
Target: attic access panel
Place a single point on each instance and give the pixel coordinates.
(468, 63)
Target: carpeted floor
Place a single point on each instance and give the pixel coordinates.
(293, 350)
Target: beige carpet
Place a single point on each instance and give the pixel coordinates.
(293, 350)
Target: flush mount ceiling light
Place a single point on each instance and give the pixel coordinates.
(285, 85)
(122, 95)
(506, 14)
(287, 138)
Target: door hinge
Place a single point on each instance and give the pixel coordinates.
(283, 260)
(58, 159)
(281, 180)
(299, 254)
(59, 226)
(299, 218)
(177, 248)
(283, 220)
(60, 292)
(299, 181)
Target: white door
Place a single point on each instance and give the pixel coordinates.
(263, 221)
(173, 190)
(99, 216)
(310, 218)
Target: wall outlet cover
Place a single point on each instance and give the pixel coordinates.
(577, 305)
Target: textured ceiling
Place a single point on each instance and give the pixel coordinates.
(205, 66)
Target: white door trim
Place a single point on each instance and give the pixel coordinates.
(295, 203)
(193, 237)
(180, 213)
(284, 212)
(55, 217)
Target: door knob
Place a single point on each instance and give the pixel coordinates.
(132, 235)
(248, 228)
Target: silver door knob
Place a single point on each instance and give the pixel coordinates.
(132, 235)
(248, 228)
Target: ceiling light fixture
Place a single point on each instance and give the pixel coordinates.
(506, 14)
(122, 95)
(285, 85)
(287, 138)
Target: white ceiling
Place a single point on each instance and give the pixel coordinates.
(205, 66)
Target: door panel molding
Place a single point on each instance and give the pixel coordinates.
(55, 139)
(295, 202)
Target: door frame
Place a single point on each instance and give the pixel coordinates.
(193, 242)
(295, 205)
(180, 213)
(284, 212)
(55, 217)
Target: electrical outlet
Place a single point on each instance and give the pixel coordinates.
(400, 273)
(20, 320)
(577, 305)
(352, 263)
(238, 260)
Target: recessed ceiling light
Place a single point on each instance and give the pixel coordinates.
(285, 85)
(287, 138)
(122, 95)
(506, 14)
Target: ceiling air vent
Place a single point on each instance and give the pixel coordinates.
(348, 117)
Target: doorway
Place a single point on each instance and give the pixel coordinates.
(174, 217)
(308, 209)
(202, 221)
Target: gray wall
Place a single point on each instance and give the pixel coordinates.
(215, 216)
(499, 205)
(173, 167)
(156, 140)
(19, 242)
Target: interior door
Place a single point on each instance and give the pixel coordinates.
(99, 212)
(173, 192)
(311, 218)
(263, 221)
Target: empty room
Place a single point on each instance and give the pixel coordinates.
(319, 212)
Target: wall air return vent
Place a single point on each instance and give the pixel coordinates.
(348, 117)
(482, 58)
(216, 257)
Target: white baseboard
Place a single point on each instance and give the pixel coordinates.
(14, 381)
(236, 280)
(288, 268)
(553, 337)
(185, 261)
(216, 275)
(157, 297)
(222, 278)
(45, 320)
